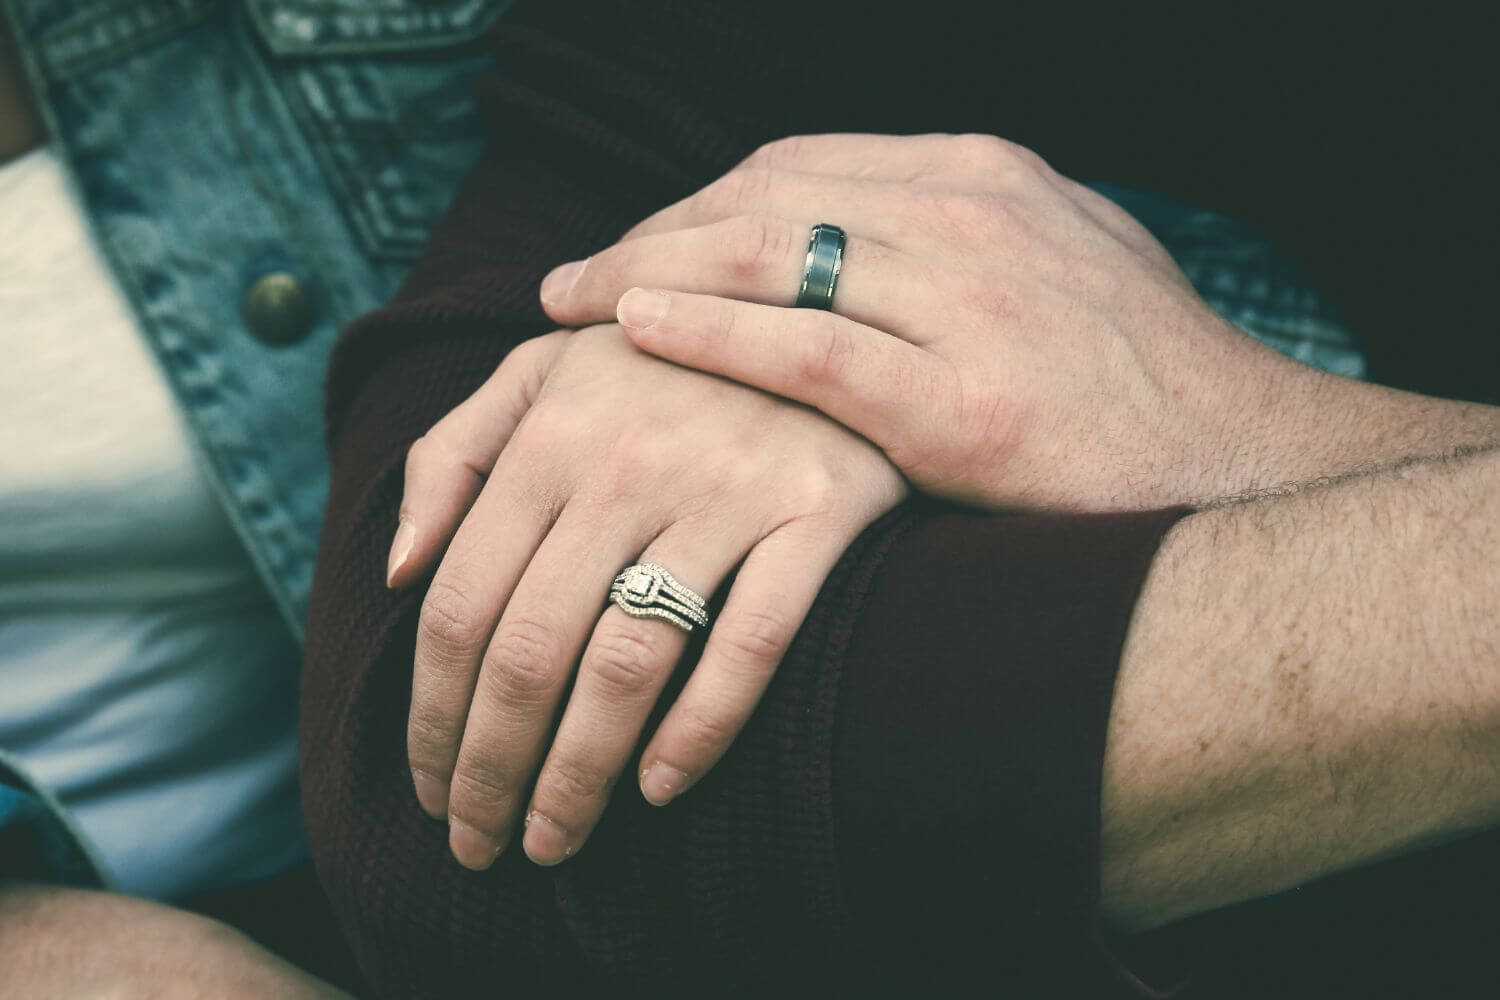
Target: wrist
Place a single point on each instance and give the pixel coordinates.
(1279, 424)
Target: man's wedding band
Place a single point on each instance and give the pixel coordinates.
(825, 258)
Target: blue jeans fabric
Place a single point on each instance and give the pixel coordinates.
(217, 141)
(213, 142)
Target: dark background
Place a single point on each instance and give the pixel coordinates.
(1361, 141)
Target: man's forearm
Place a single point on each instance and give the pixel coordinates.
(1283, 423)
(1310, 683)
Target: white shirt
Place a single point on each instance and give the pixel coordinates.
(145, 677)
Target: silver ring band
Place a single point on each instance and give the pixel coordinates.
(820, 274)
(647, 590)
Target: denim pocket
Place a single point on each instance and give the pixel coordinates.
(384, 90)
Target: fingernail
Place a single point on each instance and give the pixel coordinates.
(546, 843)
(557, 285)
(660, 783)
(400, 549)
(431, 793)
(641, 308)
(473, 849)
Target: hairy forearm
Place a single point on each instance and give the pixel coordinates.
(1310, 683)
(1280, 423)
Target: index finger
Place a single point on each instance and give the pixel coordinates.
(447, 466)
(878, 210)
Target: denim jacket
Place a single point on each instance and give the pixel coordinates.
(260, 172)
(257, 173)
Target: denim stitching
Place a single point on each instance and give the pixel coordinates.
(111, 31)
(333, 26)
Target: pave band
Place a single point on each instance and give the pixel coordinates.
(825, 258)
(647, 590)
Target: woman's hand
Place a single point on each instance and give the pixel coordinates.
(592, 456)
(1006, 335)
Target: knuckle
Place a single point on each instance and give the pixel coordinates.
(520, 663)
(528, 368)
(759, 247)
(433, 457)
(980, 148)
(949, 211)
(431, 738)
(480, 793)
(548, 427)
(705, 730)
(1028, 158)
(829, 362)
(742, 191)
(449, 620)
(608, 268)
(994, 155)
(727, 321)
(756, 639)
(627, 662)
(743, 469)
(523, 361)
(776, 152)
(421, 454)
(546, 438)
(566, 780)
(817, 485)
(520, 357)
(635, 457)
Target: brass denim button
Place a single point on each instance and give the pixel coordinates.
(278, 309)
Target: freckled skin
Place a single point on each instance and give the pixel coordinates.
(1302, 688)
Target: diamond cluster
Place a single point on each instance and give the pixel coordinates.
(647, 590)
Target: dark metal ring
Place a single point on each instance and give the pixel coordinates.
(825, 258)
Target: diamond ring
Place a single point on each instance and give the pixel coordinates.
(647, 590)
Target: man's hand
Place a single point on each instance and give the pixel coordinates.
(1006, 335)
(592, 456)
(63, 944)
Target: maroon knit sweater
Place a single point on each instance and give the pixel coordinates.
(914, 807)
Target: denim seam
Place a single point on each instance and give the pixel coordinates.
(429, 30)
(68, 54)
(345, 189)
(276, 562)
(365, 208)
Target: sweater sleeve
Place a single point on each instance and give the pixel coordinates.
(977, 650)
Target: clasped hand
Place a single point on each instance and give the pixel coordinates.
(581, 455)
(1000, 335)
